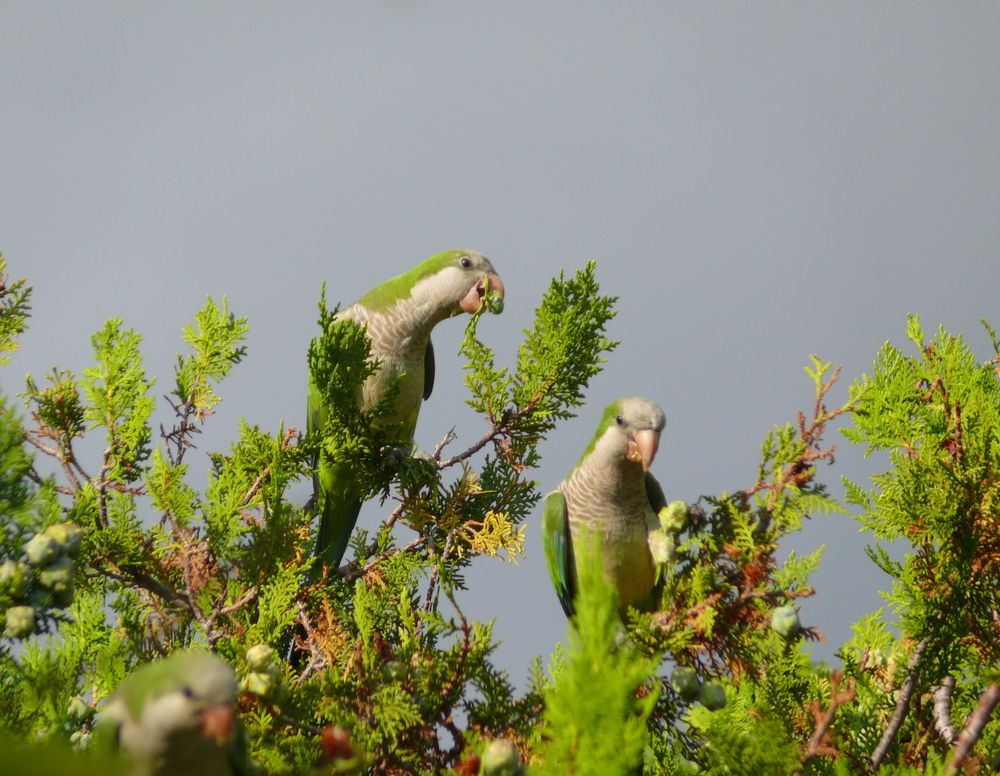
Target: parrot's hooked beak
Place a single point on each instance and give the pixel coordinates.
(216, 723)
(473, 300)
(642, 446)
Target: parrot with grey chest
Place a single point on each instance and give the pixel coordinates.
(398, 317)
(610, 495)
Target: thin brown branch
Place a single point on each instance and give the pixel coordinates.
(498, 428)
(257, 484)
(149, 583)
(905, 692)
(316, 658)
(436, 571)
(802, 470)
(102, 491)
(63, 453)
(351, 571)
(294, 723)
(221, 610)
(819, 743)
(387, 524)
(495, 431)
(974, 725)
(779, 595)
(240, 602)
(50, 451)
(394, 516)
(70, 474)
(178, 439)
(443, 442)
(455, 682)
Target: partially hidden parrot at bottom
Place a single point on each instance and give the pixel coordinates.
(176, 717)
(611, 494)
(399, 316)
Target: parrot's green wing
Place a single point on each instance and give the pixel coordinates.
(559, 549)
(428, 370)
(338, 501)
(654, 492)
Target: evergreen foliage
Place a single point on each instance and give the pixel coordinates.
(597, 708)
(111, 560)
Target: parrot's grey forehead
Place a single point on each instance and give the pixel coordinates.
(641, 412)
(478, 260)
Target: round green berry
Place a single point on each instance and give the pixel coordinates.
(69, 536)
(685, 682)
(58, 575)
(41, 549)
(500, 758)
(14, 578)
(785, 622)
(260, 683)
(259, 657)
(712, 695)
(20, 622)
(393, 671)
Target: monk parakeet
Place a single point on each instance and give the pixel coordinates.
(610, 493)
(399, 316)
(176, 717)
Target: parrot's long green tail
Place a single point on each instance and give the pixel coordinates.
(337, 520)
(338, 510)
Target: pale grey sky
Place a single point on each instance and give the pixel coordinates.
(757, 182)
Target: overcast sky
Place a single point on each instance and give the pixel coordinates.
(757, 182)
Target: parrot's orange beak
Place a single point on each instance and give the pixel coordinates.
(216, 723)
(642, 447)
(473, 300)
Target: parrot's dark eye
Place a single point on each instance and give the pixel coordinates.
(466, 262)
(187, 692)
(620, 420)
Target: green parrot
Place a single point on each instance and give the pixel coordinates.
(399, 316)
(176, 717)
(610, 493)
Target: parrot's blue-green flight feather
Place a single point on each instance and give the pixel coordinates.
(558, 549)
(428, 370)
(654, 492)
